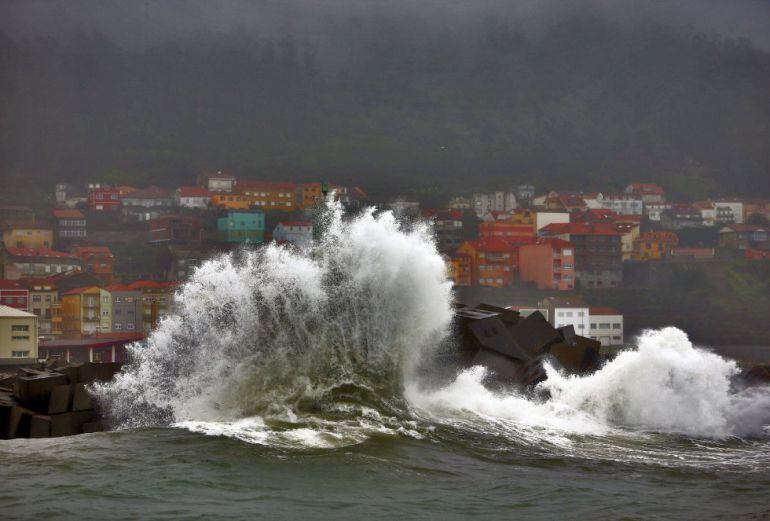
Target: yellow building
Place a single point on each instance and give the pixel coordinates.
(27, 234)
(86, 311)
(18, 334)
(231, 201)
(268, 195)
(654, 245)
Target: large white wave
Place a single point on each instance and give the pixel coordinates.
(274, 332)
(316, 348)
(664, 385)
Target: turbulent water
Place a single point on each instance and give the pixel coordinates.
(296, 383)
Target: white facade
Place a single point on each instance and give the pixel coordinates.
(577, 317)
(494, 202)
(709, 215)
(736, 207)
(622, 204)
(607, 329)
(299, 234)
(18, 334)
(653, 210)
(193, 201)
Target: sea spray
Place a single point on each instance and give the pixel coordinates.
(663, 385)
(280, 333)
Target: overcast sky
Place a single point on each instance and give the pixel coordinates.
(136, 23)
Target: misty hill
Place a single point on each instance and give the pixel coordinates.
(401, 105)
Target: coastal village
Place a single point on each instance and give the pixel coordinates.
(99, 267)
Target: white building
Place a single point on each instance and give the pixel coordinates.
(735, 207)
(606, 326)
(18, 335)
(653, 210)
(494, 202)
(567, 312)
(192, 197)
(623, 204)
(298, 233)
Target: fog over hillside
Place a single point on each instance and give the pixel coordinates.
(409, 97)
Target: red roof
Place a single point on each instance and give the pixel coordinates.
(555, 242)
(139, 284)
(594, 215)
(83, 250)
(25, 225)
(357, 193)
(31, 252)
(265, 186)
(193, 191)
(569, 200)
(151, 192)
(119, 287)
(495, 245)
(295, 223)
(68, 214)
(78, 291)
(10, 284)
(585, 228)
(744, 228)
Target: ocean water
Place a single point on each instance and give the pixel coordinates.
(299, 384)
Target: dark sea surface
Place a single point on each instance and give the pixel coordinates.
(451, 474)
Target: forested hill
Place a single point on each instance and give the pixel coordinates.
(398, 105)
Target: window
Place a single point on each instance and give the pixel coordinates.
(20, 354)
(36, 298)
(117, 300)
(118, 326)
(581, 313)
(615, 326)
(593, 325)
(130, 326)
(604, 325)
(17, 327)
(20, 337)
(616, 338)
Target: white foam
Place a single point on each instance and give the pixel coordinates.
(664, 385)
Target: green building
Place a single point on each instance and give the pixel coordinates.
(242, 227)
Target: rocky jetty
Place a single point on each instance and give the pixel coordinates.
(53, 400)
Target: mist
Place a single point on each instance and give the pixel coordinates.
(419, 98)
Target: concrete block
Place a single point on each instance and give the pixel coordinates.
(35, 389)
(97, 372)
(19, 422)
(7, 380)
(61, 399)
(71, 371)
(7, 403)
(69, 423)
(40, 426)
(96, 426)
(81, 400)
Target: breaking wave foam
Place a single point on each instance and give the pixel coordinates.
(664, 385)
(317, 348)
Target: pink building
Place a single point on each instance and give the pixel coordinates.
(549, 263)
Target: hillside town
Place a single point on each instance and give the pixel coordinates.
(99, 267)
